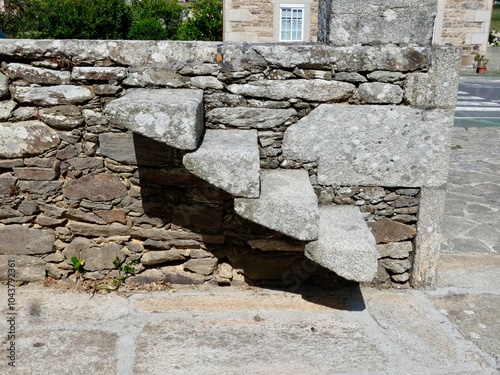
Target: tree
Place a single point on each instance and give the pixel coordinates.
(203, 21)
(155, 19)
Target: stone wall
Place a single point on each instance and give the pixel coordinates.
(74, 184)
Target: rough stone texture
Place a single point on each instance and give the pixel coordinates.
(276, 245)
(348, 59)
(410, 325)
(26, 138)
(4, 86)
(397, 266)
(7, 184)
(312, 90)
(228, 159)
(19, 240)
(428, 240)
(396, 250)
(384, 76)
(411, 148)
(345, 244)
(287, 204)
(245, 117)
(177, 275)
(100, 258)
(151, 258)
(205, 266)
(33, 74)
(27, 268)
(174, 117)
(439, 87)
(34, 173)
(63, 117)
(6, 109)
(97, 188)
(387, 230)
(379, 93)
(41, 189)
(95, 73)
(134, 149)
(52, 95)
(379, 22)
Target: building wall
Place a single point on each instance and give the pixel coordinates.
(466, 24)
(258, 21)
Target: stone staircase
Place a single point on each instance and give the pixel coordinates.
(279, 199)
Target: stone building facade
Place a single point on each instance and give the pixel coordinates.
(261, 21)
(466, 24)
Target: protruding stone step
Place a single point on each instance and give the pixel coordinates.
(170, 116)
(228, 159)
(287, 204)
(345, 245)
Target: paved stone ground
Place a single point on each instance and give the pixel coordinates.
(451, 330)
(472, 213)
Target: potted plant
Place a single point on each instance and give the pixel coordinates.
(480, 62)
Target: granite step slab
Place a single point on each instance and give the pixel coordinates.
(345, 245)
(170, 116)
(228, 159)
(287, 203)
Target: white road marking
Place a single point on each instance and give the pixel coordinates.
(479, 104)
(470, 97)
(478, 109)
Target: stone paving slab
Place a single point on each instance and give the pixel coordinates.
(469, 272)
(472, 208)
(234, 330)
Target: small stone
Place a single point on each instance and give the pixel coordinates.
(205, 266)
(28, 207)
(76, 214)
(47, 221)
(379, 93)
(20, 240)
(385, 76)
(207, 82)
(146, 277)
(101, 258)
(395, 265)
(97, 188)
(41, 189)
(6, 109)
(387, 230)
(4, 86)
(225, 271)
(350, 77)
(395, 250)
(33, 173)
(93, 73)
(401, 278)
(25, 113)
(151, 258)
(405, 202)
(407, 191)
(26, 138)
(52, 95)
(176, 275)
(56, 257)
(113, 216)
(200, 253)
(64, 117)
(33, 74)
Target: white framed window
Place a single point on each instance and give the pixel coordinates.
(291, 23)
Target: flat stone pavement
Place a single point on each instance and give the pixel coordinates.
(453, 329)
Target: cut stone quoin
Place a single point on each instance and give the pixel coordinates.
(170, 116)
(345, 244)
(287, 204)
(228, 159)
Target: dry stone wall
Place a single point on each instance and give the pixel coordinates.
(74, 184)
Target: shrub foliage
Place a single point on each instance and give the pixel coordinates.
(112, 19)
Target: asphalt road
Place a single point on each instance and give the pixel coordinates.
(478, 102)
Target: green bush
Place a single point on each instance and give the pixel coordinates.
(69, 19)
(155, 19)
(203, 22)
